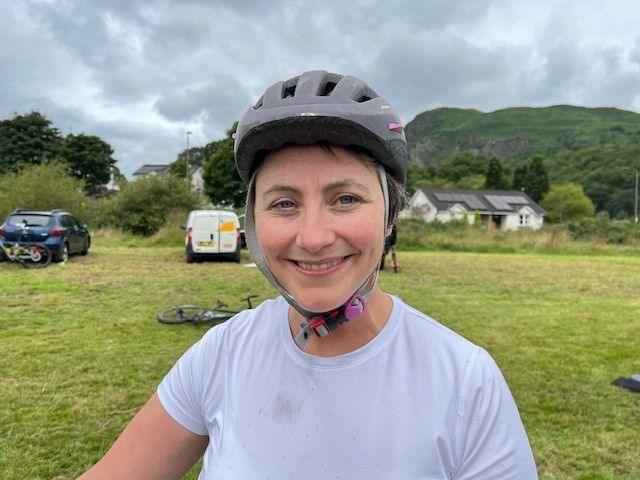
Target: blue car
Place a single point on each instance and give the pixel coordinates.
(57, 229)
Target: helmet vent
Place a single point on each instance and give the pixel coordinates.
(289, 90)
(258, 103)
(365, 95)
(326, 89)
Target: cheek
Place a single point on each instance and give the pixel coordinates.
(272, 239)
(366, 234)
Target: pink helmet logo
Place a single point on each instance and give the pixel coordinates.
(396, 127)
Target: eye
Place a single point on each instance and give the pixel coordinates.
(348, 199)
(283, 205)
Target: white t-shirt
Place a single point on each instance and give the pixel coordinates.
(417, 402)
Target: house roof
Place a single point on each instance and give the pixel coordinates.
(482, 201)
(150, 168)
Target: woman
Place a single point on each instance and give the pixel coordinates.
(334, 378)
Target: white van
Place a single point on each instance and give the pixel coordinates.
(212, 234)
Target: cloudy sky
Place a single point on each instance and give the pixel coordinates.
(141, 73)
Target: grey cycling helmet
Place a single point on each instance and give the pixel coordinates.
(319, 106)
(314, 107)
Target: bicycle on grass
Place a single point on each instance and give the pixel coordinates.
(28, 254)
(198, 314)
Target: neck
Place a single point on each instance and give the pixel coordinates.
(350, 335)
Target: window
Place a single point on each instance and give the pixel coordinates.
(67, 221)
(524, 219)
(33, 220)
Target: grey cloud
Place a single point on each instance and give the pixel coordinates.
(438, 69)
(139, 73)
(635, 52)
(224, 98)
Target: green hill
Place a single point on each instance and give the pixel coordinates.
(516, 134)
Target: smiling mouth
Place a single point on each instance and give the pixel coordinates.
(320, 266)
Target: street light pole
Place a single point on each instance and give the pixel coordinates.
(187, 153)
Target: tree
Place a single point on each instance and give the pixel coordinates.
(222, 184)
(465, 164)
(89, 158)
(494, 179)
(519, 178)
(43, 187)
(27, 140)
(537, 180)
(567, 202)
(143, 206)
(417, 177)
(196, 156)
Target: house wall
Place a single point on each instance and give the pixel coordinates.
(419, 206)
(512, 220)
(197, 182)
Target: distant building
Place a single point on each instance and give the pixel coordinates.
(195, 174)
(500, 209)
(105, 190)
(149, 169)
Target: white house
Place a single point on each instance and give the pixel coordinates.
(506, 210)
(150, 169)
(195, 174)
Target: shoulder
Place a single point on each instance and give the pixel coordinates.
(432, 338)
(248, 326)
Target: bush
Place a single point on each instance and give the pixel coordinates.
(567, 202)
(43, 187)
(142, 207)
(605, 230)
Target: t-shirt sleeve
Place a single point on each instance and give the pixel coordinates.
(490, 438)
(180, 391)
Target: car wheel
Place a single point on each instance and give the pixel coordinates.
(85, 248)
(63, 254)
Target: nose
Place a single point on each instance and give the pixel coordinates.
(315, 231)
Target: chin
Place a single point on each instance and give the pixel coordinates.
(321, 302)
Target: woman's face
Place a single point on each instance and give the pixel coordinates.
(320, 223)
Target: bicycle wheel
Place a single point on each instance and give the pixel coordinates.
(40, 256)
(213, 316)
(181, 314)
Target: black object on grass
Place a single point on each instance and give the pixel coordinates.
(628, 383)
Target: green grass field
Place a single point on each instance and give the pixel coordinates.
(81, 350)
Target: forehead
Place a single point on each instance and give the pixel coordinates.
(312, 164)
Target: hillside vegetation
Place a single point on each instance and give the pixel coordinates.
(514, 135)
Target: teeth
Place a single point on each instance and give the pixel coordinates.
(319, 266)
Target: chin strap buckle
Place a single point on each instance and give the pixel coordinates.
(319, 326)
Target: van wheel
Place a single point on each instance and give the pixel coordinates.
(190, 256)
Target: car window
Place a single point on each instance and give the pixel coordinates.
(32, 220)
(67, 221)
(73, 221)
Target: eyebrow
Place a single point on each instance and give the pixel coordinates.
(349, 182)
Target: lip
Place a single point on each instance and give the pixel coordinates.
(320, 273)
